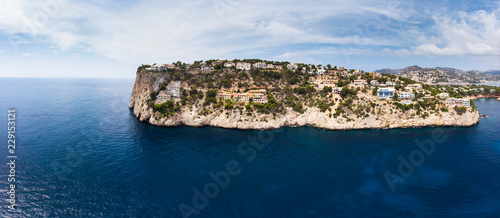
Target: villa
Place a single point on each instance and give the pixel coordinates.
(406, 95)
(321, 70)
(337, 90)
(206, 68)
(457, 102)
(385, 93)
(292, 66)
(260, 65)
(374, 83)
(444, 95)
(223, 95)
(414, 87)
(359, 82)
(390, 84)
(323, 79)
(229, 64)
(163, 97)
(215, 63)
(172, 91)
(243, 66)
(153, 67)
(241, 97)
(258, 96)
(428, 96)
(375, 75)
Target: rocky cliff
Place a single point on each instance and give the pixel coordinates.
(146, 82)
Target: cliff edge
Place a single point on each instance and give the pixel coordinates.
(147, 82)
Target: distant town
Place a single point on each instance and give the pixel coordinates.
(444, 76)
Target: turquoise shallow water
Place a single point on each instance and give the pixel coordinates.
(82, 153)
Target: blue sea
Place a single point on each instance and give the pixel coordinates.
(82, 153)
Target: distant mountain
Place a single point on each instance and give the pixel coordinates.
(472, 76)
(399, 71)
(492, 72)
(389, 71)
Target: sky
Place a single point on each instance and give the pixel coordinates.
(110, 39)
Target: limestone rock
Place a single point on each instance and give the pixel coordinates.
(147, 82)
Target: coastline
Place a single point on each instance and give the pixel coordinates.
(466, 120)
(497, 96)
(146, 83)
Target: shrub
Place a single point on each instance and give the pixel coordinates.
(347, 92)
(460, 110)
(228, 105)
(327, 89)
(166, 108)
(153, 95)
(211, 97)
(298, 107)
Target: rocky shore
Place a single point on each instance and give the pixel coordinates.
(485, 96)
(147, 82)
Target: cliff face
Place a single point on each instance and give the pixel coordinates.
(146, 82)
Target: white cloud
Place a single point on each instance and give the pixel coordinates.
(180, 30)
(398, 10)
(476, 33)
(400, 52)
(304, 31)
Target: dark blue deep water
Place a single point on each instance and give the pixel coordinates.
(82, 153)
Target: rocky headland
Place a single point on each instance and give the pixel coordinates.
(147, 82)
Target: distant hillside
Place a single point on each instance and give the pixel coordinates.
(493, 72)
(389, 71)
(472, 76)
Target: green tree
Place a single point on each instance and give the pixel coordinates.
(152, 95)
(347, 92)
(327, 89)
(229, 104)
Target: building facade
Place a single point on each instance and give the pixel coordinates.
(243, 66)
(444, 95)
(385, 93)
(258, 96)
(406, 95)
(457, 102)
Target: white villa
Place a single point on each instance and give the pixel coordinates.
(292, 66)
(444, 95)
(457, 102)
(260, 65)
(229, 64)
(406, 95)
(243, 66)
(414, 87)
(390, 83)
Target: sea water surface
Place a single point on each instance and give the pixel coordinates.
(82, 153)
